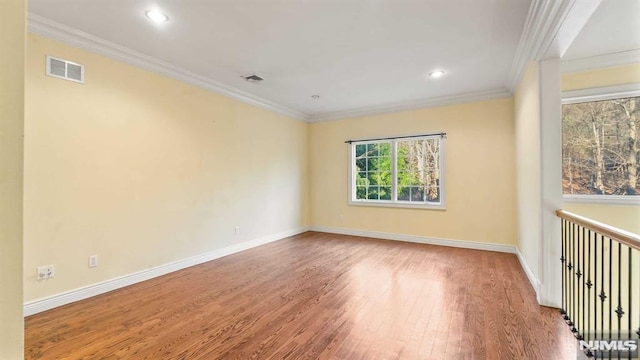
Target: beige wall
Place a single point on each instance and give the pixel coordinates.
(12, 45)
(143, 170)
(528, 159)
(479, 173)
(609, 76)
(624, 217)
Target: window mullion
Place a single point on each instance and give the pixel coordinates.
(394, 171)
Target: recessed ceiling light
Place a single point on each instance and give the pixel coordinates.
(157, 16)
(315, 97)
(436, 74)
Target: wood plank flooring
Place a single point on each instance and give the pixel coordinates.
(315, 296)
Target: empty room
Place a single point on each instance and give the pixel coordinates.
(320, 179)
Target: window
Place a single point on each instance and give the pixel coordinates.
(402, 172)
(600, 148)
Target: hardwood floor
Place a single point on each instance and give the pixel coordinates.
(315, 296)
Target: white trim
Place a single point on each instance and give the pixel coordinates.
(601, 93)
(511, 249)
(413, 105)
(543, 22)
(535, 283)
(50, 302)
(602, 199)
(601, 61)
(74, 37)
(399, 204)
(550, 271)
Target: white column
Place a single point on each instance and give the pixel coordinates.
(551, 180)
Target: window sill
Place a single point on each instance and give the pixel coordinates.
(602, 199)
(402, 205)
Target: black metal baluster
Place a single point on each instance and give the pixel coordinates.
(603, 296)
(578, 296)
(569, 277)
(563, 259)
(580, 274)
(570, 267)
(595, 285)
(630, 291)
(589, 268)
(619, 310)
(610, 290)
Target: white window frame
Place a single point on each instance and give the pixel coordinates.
(394, 203)
(600, 94)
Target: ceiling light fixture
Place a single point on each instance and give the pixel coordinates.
(157, 16)
(315, 97)
(436, 74)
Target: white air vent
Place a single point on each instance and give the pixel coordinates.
(64, 69)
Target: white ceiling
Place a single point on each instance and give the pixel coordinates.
(355, 54)
(613, 28)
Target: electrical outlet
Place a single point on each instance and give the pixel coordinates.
(93, 261)
(45, 272)
(237, 229)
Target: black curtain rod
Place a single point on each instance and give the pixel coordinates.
(443, 135)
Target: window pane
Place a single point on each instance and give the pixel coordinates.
(373, 193)
(404, 178)
(361, 149)
(361, 164)
(361, 192)
(598, 151)
(403, 193)
(416, 179)
(385, 178)
(385, 149)
(433, 195)
(385, 193)
(372, 149)
(372, 164)
(361, 179)
(373, 178)
(418, 167)
(417, 194)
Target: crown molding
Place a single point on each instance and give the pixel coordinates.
(42, 26)
(413, 105)
(601, 93)
(601, 61)
(541, 27)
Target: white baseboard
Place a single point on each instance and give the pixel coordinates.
(535, 283)
(50, 302)
(418, 239)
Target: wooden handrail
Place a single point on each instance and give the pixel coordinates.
(628, 238)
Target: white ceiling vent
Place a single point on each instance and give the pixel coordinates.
(64, 69)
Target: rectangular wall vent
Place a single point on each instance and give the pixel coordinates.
(64, 69)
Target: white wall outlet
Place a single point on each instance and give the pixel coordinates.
(237, 230)
(93, 261)
(45, 272)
